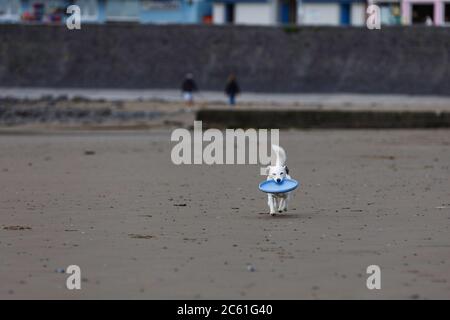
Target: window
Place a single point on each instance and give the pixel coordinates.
(422, 13)
(229, 12)
(288, 11)
(89, 9)
(447, 12)
(54, 5)
(345, 14)
(390, 13)
(161, 4)
(9, 10)
(122, 10)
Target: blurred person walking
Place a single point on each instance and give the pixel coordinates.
(232, 89)
(188, 87)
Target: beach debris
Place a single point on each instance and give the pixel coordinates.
(14, 228)
(140, 236)
(250, 268)
(50, 113)
(89, 152)
(60, 270)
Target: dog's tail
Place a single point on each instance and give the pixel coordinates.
(280, 155)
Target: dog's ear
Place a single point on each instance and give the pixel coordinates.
(267, 170)
(287, 169)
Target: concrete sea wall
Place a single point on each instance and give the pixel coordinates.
(407, 60)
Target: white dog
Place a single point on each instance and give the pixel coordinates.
(278, 172)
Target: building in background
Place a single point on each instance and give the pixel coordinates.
(49, 11)
(333, 12)
(10, 10)
(390, 11)
(302, 12)
(428, 12)
(253, 12)
(103, 11)
(250, 12)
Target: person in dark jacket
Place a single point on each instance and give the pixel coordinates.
(188, 87)
(232, 89)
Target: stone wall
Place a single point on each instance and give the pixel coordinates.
(407, 60)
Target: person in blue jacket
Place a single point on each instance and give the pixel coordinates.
(188, 87)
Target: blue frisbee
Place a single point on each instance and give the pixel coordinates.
(271, 186)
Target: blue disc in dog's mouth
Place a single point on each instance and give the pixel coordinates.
(270, 186)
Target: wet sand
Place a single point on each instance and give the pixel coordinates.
(140, 227)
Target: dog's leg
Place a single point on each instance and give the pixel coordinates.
(279, 204)
(271, 203)
(286, 202)
(282, 205)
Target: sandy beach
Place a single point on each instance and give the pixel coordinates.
(140, 227)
